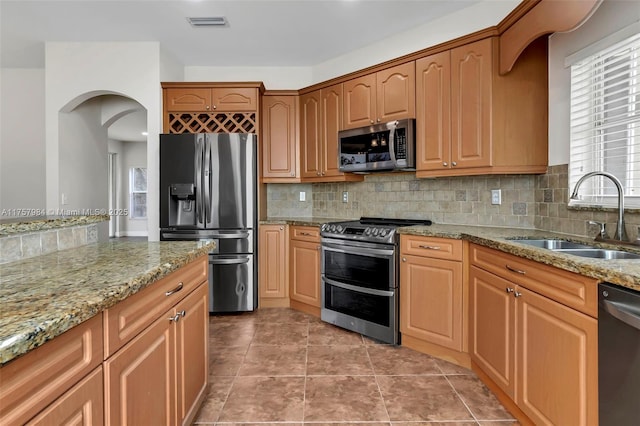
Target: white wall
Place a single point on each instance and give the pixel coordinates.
(83, 157)
(22, 142)
(611, 16)
(274, 78)
(77, 71)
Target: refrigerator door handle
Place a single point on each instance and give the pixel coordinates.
(207, 180)
(198, 180)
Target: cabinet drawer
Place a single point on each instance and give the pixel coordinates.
(305, 233)
(438, 248)
(128, 318)
(573, 290)
(30, 383)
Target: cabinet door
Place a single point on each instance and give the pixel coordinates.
(81, 405)
(396, 93)
(471, 74)
(145, 363)
(234, 99)
(273, 262)
(192, 349)
(557, 362)
(433, 103)
(188, 99)
(305, 272)
(331, 113)
(491, 323)
(279, 136)
(310, 138)
(360, 102)
(431, 300)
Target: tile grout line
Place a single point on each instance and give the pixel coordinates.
(375, 378)
(461, 398)
(306, 365)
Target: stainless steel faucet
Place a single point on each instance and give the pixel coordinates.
(621, 232)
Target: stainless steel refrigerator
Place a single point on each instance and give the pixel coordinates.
(208, 192)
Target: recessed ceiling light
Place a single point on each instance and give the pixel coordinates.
(212, 21)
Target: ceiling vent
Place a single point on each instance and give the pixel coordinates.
(213, 21)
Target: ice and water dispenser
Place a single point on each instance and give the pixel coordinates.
(182, 204)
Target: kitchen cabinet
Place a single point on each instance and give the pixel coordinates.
(384, 96)
(170, 357)
(273, 264)
(280, 153)
(471, 120)
(39, 379)
(320, 122)
(534, 334)
(304, 258)
(432, 297)
(211, 107)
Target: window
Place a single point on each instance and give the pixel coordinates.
(138, 192)
(605, 122)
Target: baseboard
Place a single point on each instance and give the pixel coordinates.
(307, 309)
(274, 303)
(459, 358)
(132, 234)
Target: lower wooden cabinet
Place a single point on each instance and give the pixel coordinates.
(541, 353)
(304, 261)
(81, 405)
(168, 357)
(432, 314)
(273, 265)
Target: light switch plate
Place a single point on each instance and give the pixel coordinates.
(303, 196)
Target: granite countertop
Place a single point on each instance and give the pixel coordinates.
(299, 221)
(622, 272)
(20, 225)
(44, 296)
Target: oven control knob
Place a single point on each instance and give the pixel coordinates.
(375, 232)
(383, 232)
(333, 228)
(367, 231)
(340, 228)
(323, 227)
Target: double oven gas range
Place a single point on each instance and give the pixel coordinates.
(360, 275)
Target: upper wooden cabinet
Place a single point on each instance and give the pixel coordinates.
(211, 107)
(221, 99)
(470, 120)
(280, 159)
(320, 122)
(384, 96)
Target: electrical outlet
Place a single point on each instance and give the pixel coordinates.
(345, 197)
(64, 199)
(496, 196)
(303, 196)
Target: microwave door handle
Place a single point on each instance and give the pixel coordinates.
(392, 141)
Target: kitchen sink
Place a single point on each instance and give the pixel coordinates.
(553, 244)
(597, 253)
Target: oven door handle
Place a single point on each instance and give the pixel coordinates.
(358, 250)
(357, 289)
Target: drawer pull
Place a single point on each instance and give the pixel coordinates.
(175, 290)
(422, 246)
(306, 234)
(517, 271)
(509, 290)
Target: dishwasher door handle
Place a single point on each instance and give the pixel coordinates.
(622, 312)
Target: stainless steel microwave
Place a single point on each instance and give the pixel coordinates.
(384, 146)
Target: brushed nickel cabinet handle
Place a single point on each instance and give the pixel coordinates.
(517, 294)
(509, 290)
(429, 247)
(453, 163)
(445, 164)
(306, 234)
(175, 290)
(175, 319)
(517, 271)
(404, 259)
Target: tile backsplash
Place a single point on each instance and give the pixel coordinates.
(528, 201)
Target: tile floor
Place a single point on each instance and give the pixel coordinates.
(280, 366)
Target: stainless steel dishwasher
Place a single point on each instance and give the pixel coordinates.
(618, 355)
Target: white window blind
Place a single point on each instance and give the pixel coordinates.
(605, 123)
(138, 192)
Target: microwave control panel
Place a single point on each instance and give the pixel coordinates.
(401, 144)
